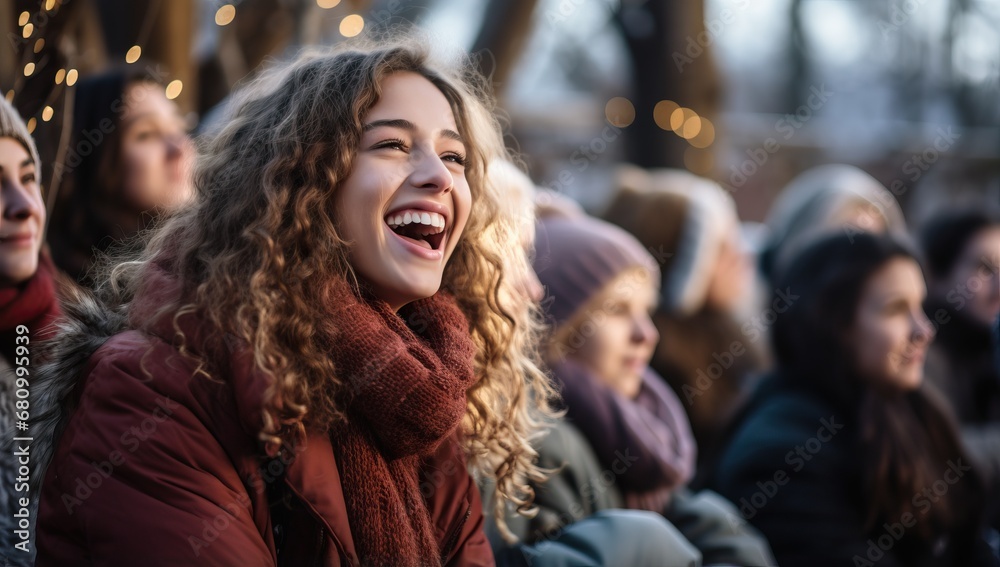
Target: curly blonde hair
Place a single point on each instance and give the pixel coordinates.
(263, 230)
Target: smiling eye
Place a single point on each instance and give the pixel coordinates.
(455, 157)
(392, 144)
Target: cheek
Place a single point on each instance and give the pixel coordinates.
(463, 204)
(881, 346)
(140, 161)
(359, 201)
(612, 340)
(39, 206)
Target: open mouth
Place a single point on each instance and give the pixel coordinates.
(423, 228)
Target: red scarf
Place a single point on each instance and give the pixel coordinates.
(32, 304)
(405, 376)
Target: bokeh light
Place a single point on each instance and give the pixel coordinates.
(174, 89)
(662, 112)
(619, 112)
(133, 54)
(352, 25)
(225, 14)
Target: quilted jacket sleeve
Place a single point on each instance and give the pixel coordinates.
(138, 478)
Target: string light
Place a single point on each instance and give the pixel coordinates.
(619, 112)
(327, 4)
(31, 124)
(225, 14)
(23, 18)
(47, 113)
(10, 95)
(60, 75)
(706, 136)
(174, 89)
(71, 77)
(352, 25)
(133, 54)
(40, 44)
(679, 116)
(690, 128)
(28, 29)
(662, 112)
(50, 5)
(29, 69)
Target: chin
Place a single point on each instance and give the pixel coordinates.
(910, 381)
(402, 293)
(18, 272)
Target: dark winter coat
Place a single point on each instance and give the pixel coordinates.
(792, 468)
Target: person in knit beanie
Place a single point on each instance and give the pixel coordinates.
(826, 199)
(690, 224)
(601, 287)
(28, 302)
(569, 527)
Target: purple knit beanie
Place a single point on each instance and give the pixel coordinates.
(576, 257)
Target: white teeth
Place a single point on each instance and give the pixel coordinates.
(430, 219)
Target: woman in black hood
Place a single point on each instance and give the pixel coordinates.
(129, 160)
(962, 248)
(845, 457)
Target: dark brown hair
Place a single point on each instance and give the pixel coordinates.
(907, 439)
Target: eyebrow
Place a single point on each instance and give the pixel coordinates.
(403, 124)
(129, 120)
(24, 164)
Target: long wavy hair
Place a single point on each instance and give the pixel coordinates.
(263, 230)
(906, 439)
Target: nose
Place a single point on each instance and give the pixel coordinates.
(178, 146)
(18, 201)
(643, 330)
(431, 173)
(993, 278)
(923, 329)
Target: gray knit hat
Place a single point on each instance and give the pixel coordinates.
(11, 126)
(685, 219)
(576, 257)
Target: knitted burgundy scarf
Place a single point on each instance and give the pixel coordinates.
(32, 304)
(405, 377)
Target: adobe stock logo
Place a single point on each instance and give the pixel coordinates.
(797, 459)
(922, 501)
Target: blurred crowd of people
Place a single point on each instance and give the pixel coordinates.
(831, 397)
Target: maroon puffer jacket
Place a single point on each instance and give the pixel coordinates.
(167, 470)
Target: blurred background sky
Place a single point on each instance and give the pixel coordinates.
(747, 92)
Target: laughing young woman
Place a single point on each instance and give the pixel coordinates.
(298, 366)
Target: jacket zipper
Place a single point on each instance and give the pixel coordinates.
(319, 545)
(453, 538)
